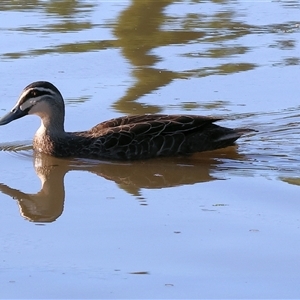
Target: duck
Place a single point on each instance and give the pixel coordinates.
(124, 138)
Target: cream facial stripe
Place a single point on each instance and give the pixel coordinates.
(27, 103)
(40, 89)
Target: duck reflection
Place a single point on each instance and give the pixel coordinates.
(47, 205)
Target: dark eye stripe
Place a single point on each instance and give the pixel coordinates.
(37, 93)
(34, 93)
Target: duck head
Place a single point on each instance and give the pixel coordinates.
(37, 98)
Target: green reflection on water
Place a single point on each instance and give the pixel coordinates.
(144, 26)
(140, 29)
(65, 48)
(61, 8)
(294, 181)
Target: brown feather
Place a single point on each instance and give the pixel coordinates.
(123, 138)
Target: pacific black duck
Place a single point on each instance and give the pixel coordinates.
(124, 138)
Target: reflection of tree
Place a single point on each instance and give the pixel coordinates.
(66, 17)
(63, 8)
(69, 13)
(68, 9)
(47, 205)
(294, 181)
(139, 30)
(19, 4)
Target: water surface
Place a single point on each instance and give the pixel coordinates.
(222, 224)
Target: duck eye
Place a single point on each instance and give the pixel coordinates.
(33, 94)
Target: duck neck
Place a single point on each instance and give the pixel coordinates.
(52, 122)
(51, 125)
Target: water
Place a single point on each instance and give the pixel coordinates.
(222, 224)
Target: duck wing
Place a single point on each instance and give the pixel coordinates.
(186, 121)
(140, 137)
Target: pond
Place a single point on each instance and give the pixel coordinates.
(220, 224)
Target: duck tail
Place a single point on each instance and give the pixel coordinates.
(232, 134)
(216, 137)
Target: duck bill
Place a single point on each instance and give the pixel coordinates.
(15, 114)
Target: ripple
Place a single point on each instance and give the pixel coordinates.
(275, 148)
(21, 149)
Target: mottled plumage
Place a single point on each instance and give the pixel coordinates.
(124, 138)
